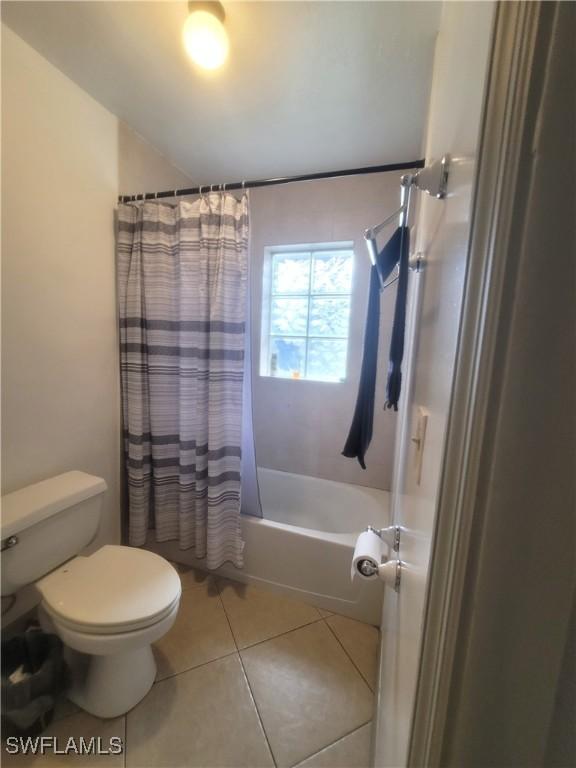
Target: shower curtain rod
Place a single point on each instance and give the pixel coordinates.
(271, 182)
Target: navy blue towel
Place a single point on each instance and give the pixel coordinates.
(395, 251)
(394, 382)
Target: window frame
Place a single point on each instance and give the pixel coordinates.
(268, 297)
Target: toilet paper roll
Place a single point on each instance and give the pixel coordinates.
(369, 547)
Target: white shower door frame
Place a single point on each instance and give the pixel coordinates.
(521, 51)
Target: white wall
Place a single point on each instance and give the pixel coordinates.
(141, 168)
(59, 345)
(442, 232)
(65, 158)
(301, 426)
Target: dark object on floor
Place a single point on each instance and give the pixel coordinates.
(395, 251)
(34, 673)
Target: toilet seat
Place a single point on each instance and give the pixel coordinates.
(114, 591)
(108, 629)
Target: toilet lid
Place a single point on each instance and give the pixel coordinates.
(114, 589)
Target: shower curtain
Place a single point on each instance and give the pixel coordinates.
(182, 285)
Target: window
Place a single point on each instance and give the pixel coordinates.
(306, 311)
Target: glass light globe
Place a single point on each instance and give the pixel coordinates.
(205, 39)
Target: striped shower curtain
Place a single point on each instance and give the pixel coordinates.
(182, 284)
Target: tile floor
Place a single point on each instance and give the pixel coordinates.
(247, 678)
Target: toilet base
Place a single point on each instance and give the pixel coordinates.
(109, 686)
(110, 673)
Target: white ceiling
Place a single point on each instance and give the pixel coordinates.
(309, 86)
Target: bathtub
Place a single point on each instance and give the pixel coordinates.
(303, 545)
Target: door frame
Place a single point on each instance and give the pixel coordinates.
(518, 60)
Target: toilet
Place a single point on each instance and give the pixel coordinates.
(107, 607)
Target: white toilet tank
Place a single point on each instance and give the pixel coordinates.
(46, 524)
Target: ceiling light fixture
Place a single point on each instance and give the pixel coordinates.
(204, 35)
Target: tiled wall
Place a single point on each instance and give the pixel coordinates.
(301, 426)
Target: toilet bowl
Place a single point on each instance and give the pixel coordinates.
(108, 609)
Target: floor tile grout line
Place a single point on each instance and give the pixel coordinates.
(290, 631)
(239, 650)
(196, 666)
(217, 658)
(356, 667)
(280, 634)
(231, 628)
(248, 683)
(261, 721)
(333, 743)
(272, 637)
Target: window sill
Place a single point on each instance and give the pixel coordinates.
(296, 379)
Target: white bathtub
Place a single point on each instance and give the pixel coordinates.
(303, 545)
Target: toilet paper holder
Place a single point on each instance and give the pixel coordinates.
(389, 571)
(389, 535)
